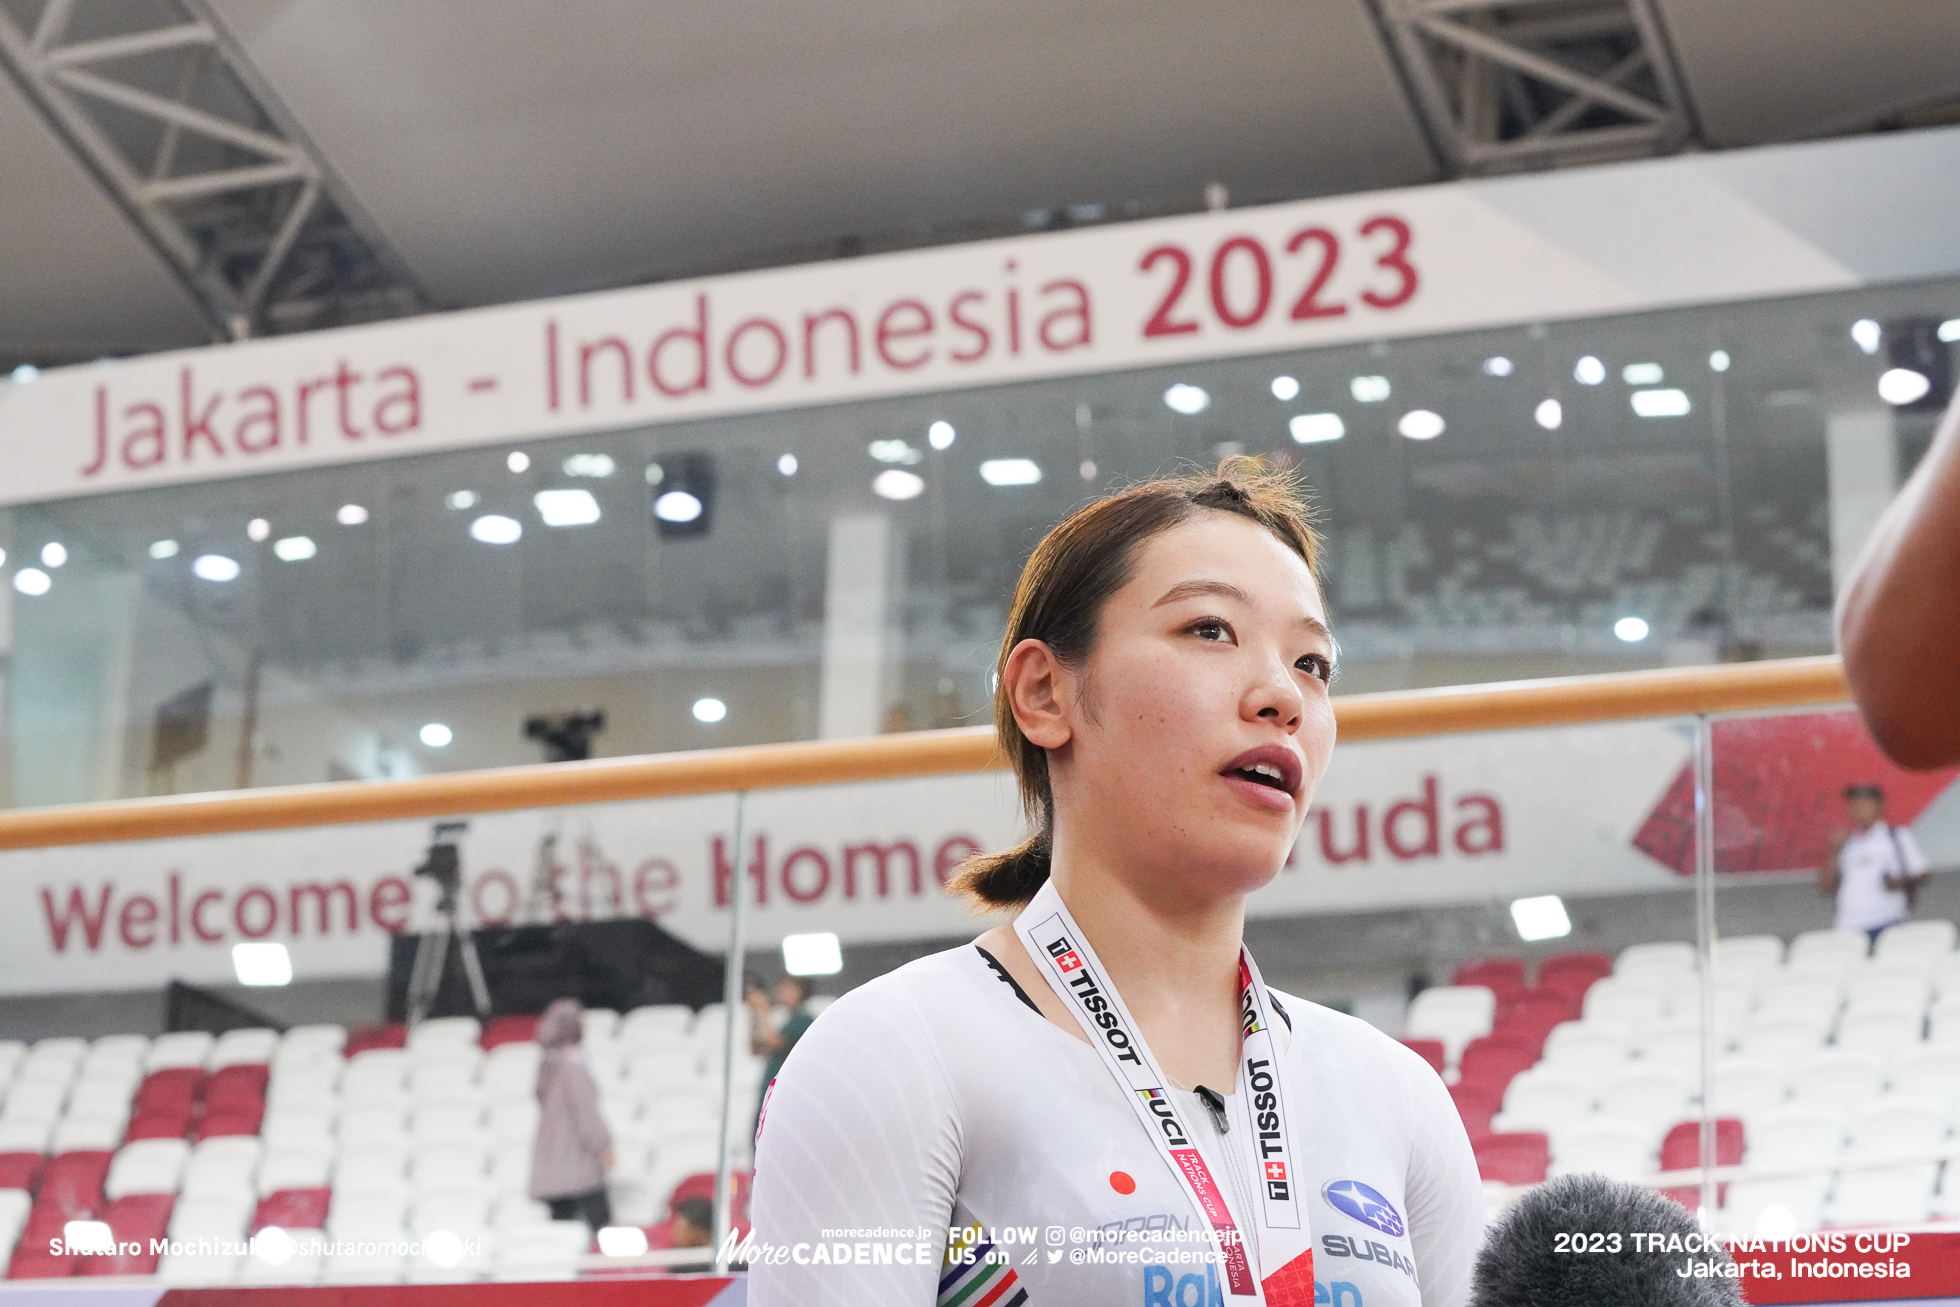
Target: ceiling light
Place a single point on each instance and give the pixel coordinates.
(1497, 366)
(567, 507)
(215, 567)
(1549, 414)
(677, 506)
(519, 461)
(589, 465)
(461, 499)
(787, 465)
(435, 735)
(1631, 630)
(25, 373)
(262, 964)
(709, 710)
(1285, 388)
(812, 955)
(1867, 334)
(496, 529)
(1949, 331)
(940, 435)
(1369, 390)
(895, 483)
(1719, 360)
(1087, 469)
(1316, 428)
(1661, 403)
(1187, 399)
(622, 1241)
(1540, 918)
(1642, 374)
(1589, 371)
(351, 515)
(257, 529)
(161, 549)
(32, 581)
(1420, 424)
(655, 474)
(294, 549)
(1902, 385)
(53, 554)
(894, 451)
(1010, 472)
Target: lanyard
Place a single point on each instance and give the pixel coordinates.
(1073, 971)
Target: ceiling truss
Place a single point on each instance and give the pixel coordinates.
(1510, 85)
(157, 101)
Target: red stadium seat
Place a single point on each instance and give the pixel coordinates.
(293, 1209)
(362, 1038)
(1681, 1151)
(1491, 1061)
(1431, 1049)
(21, 1170)
(1476, 1104)
(160, 1125)
(225, 1124)
(1592, 966)
(34, 1262)
(72, 1184)
(509, 1030)
(241, 1085)
(168, 1089)
(135, 1219)
(1529, 1018)
(1504, 971)
(1520, 1158)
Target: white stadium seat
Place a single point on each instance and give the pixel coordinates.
(549, 1250)
(1803, 991)
(1837, 1078)
(363, 1212)
(1646, 1094)
(444, 1033)
(600, 1024)
(517, 1209)
(1880, 1027)
(1881, 986)
(1794, 1135)
(510, 1168)
(1932, 1071)
(244, 1047)
(1632, 1002)
(1584, 1048)
(1455, 1014)
(25, 1134)
(447, 1121)
(148, 1166)
(211, 1217)
(364, 1166)
(79, 1131)
(1826, 951)
(1886, 1195)
(326, 1037)
(457, 1210)
(14, 1207)
(514, 1122)
(293, 1166)
(1746, 1086)
(1943, 1022)
(1748, 955)
(180, 1048)
(374, 1122)
(1622, 1149)
(1783, 1036)
(660, 1023)
(295, 1125)
(449, 1166)
(1776, 1208)
(1916, 937)
(1657, 958)
(368, 1264)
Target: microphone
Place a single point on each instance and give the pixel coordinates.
(1590, 1241)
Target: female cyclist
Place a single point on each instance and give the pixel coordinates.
(1101, 1102)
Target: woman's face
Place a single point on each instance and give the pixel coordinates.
(1200, 723)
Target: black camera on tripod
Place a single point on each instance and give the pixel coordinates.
(443, 865)
(566, 736)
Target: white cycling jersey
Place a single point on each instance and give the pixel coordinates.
(937, 1099)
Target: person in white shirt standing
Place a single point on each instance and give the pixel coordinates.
(1876, 871)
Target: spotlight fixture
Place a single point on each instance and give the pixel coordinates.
(1550, 414)
(215, 567)
(1719, 361)
(589, 465)
(787, 465)
(1421, 424)
(1867, 334)
(1542, 917)
(1370, 389)
(262, 964)
(24, 373)
(461, 499)
(815, 954)
(940, 435)
(1631, 630)
(1498, 366)
(1661, 403)
(436, 735)
(496, 529)
(1589, 371)
(681, 494)
(1187, 399)
(709, 710)
(1902, 386)
(1010, 472)
(294, 549)
(1316, 428)
(257, 529)
(895, 451)
(351, 515)
(1642, 374)
(32, 581)
(1920, 375)
(566, 507)
(897, 483)
(162, 549)
(53, 554)
(1285, 388)
(519, 461)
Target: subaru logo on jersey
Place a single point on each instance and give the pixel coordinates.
(1352, 1198)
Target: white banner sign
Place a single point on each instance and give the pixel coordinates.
(1364, 267)
(1464, 819)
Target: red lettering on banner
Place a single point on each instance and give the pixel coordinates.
(1490, 823)
(139, 910)
(197, 424)
(614, 346)
(198, 905)
(696, 336)
(60, 922)
(267, 417)
(409, 400)
(952, 852)
(775, 369)
(101, 433)
(1078, 312)
(255, 894)
(889, 331)
(758, 871)
(660, 876)
(322, 913)
(1359, 849)
(790, 886)
(149, 438)
(983, 339)
(176, 908)
(307, 389)
(342, 379)
(1424, 810)
(811, 321)
(881, 856)
(388, 904)
(484, 916)
(551, 364)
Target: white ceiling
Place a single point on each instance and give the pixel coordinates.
(513, 151)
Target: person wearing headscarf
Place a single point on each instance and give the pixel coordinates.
(573, 1150)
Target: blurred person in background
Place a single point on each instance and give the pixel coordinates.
(773, 1036)
(1875, 870)
(573, 1151)
(1899, 619)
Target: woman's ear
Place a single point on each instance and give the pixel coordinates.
(1039, 693)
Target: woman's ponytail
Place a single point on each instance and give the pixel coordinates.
(990, 881)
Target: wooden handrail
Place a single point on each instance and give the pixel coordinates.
(1790, 683)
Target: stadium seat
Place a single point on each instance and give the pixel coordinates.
(510, 1167)
(25, 1135)
(34, 1262)
(1801, 991)
(302, 1267)
(1931, 1071)
(180, 1048)
(368, 1213)
(1881, 1028)
(137, 1220)
(1454, 1014)
(1774, 1209)
(447, 1078)
(1681, 1146)
(237, 1124)
(1623, 1150)
(511, 1030)
(458, 1210)
(1749, 955)
(237, 1085)
(1915, 937)
(449, 1165)
(1630, 1004)
(1503, 977)
(36, 1100)
(1593, 966)
(1530, 1017)
(1886, 1195)
(1656, 958)
(364, 1165)
(1493, 1060)
(1888, 986)
(1475, 1106)
(287, 1125)
(1746, 1086)
(601, 1025)
(236, 1047)
(1648, 1094)
(444, 1033)
(72, 1183)
(1796, 1134)
(149, 1166)
(1514, 1158)
(293, 1209)
(1837, 1078)
(311, 1038)
(1784, 1036)
(511, 1209)
(1429, 1050)
(376, 1074)
(514, 1122)
(295, 1165)
(1827, 952)
(83, 1130)
(14, 1207)
(21, 1171)
(363, 1039)
(211, 1217)
(1943, 1022)
(650, 1026)
(1543, 1099)
(446, 1121)
(1945, 975)
(223, 1165)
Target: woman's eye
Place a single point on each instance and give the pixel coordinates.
(1210, 628)
(1317, 666)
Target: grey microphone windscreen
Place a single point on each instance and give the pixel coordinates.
(1588, 1241)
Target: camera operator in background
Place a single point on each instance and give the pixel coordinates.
(573, 1150)
(1875, 871)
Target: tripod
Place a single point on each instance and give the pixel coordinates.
(444, 867)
